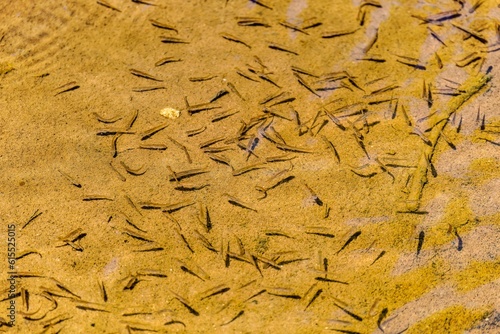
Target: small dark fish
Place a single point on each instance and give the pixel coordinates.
(190, 309)
(421, 237)
(355, 316)
(381, 317)
(351, 239)
(233, 319)
(329, 280)
(460, 242)
(382, 253)
(316, 295)
(173, 322)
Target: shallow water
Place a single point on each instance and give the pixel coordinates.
(238, 166)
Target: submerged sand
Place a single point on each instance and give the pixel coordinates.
(248, 167)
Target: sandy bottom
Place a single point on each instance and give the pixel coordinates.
(234, 166)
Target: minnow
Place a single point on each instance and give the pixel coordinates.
(433, 34)
(88, 308)
(316, 295)
(353, 315)
(321, 234)
(329, 280)
(26, 253)
(473, 57)
(304, 84)
(291, 296)
(155, 147)
(154, 249)
(191, 187)
(311, 23)
(251, 22)
(472, 34)
(381, 317)
(107, 5)
(460, 242)
(345, 331)
(70, 179)
(317, 200)
(217, 149)
(128, 221)
(223, 115)
(334, 119)
(269, 80)
(416, 66)
(212, 141)
(369, 175)
(112, 132)
(421, 237)
(256, 294)
(186, 305)
(292, 27)
(173, 40)
(419, 133)
(205, 78)
(205, 242)
(235, 91)
(216, 291)
(264, 190)
(271, 97)
(201, 107)
(161, 25)
(132, 120)
(490, 141)
(289, 148)
(167, 60)
(385, 89)
(277, 47)
(236, 202)
(277, 234)
(149, 133)
(144, 75)
(166, 207)
(142, 2)
(67, 88)
(302, 71)
(382, 253)
(338, 33)
(97, 198)
(260, 3)
(247, 169)
(440, 17)
(147, 89)
(135, 235)
(280, 158)
(235, 39)
(220, 159)
(107, 120)
(174, 322)
(136, 172)
(332, 147)
(189, 271)
(240, 73)
(351, 239)
(194, 132)
(177, 176)
(240, 313)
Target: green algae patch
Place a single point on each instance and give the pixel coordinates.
(400, 290)
(484, 169)
(455, 319)
(457, 215)
(477, 274)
